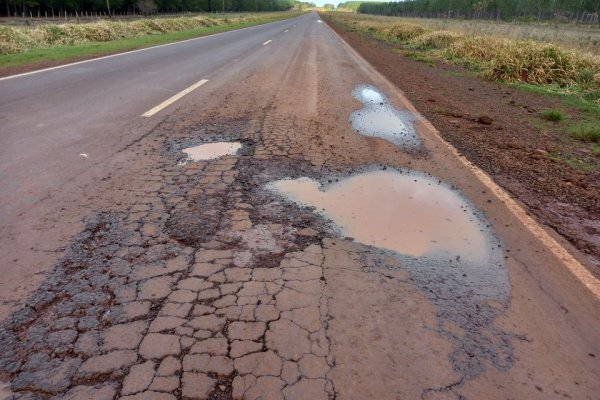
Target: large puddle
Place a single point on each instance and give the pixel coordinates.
(378, 118)
(211, 151)
(413, 215)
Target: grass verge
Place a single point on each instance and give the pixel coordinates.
(68, 53)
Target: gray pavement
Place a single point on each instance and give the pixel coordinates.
(49, 118)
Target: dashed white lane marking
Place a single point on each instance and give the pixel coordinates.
(285, 30)
(267, 42)
(120, 54)
(173, 99)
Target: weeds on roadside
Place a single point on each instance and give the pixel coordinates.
(586, 131)
(553, 115)
(417, 56)
(15, 40)
(498, 58)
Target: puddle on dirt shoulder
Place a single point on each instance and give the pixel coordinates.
(413, 215)
(378, 118)
(210, 151)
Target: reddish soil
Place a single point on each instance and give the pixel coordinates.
(490, 124)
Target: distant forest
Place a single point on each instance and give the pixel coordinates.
(82, 7)
(579, 10)
(351, 5)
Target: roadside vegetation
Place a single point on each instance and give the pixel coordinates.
(351, 5)
(117, 8)
(53, 43)
(544, 67)
(585, 11)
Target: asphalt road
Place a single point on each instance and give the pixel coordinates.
(48, 119)
(137, 276)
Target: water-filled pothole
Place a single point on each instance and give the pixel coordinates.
(378, 118)
(210, 151)
(413, 215)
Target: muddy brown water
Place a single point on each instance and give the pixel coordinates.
(444, 242)
(411, 214)
(378, 118)
(211, 151)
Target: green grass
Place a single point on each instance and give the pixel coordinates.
(576, 163)
(417, 56)
(586, 131)
(553, 115)
(90, 50)
(582, 100)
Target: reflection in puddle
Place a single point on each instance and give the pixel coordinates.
(378, 118)
(411, 214)
(211, 151)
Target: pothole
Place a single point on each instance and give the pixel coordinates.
(210, 151)
(439, 237)
(411, 214)
(378, 118)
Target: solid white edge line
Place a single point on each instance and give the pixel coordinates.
(267, 42)
(580, 272)
(173, 99)
(121, 54)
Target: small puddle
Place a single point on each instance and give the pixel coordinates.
(210, 151)
(378, 118)
(411, 214)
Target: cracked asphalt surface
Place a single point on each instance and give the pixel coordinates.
(167, 281)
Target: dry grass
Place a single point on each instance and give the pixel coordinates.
(582, 37)
(527, 61)
(436, 39)
(498, 57)
(21, 39)
(403, 32)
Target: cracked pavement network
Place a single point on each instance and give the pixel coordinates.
(193, 281)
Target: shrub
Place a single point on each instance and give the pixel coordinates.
(553, 115)
(586, 132)
(482, 49)
(525, 61)
(436, 39)
(403, 32)
(585, 76)
(19, 39)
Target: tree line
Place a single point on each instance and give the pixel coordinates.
(350, 5)
(578, 10)
(110, 7)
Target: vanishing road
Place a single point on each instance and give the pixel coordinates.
(343, 252)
